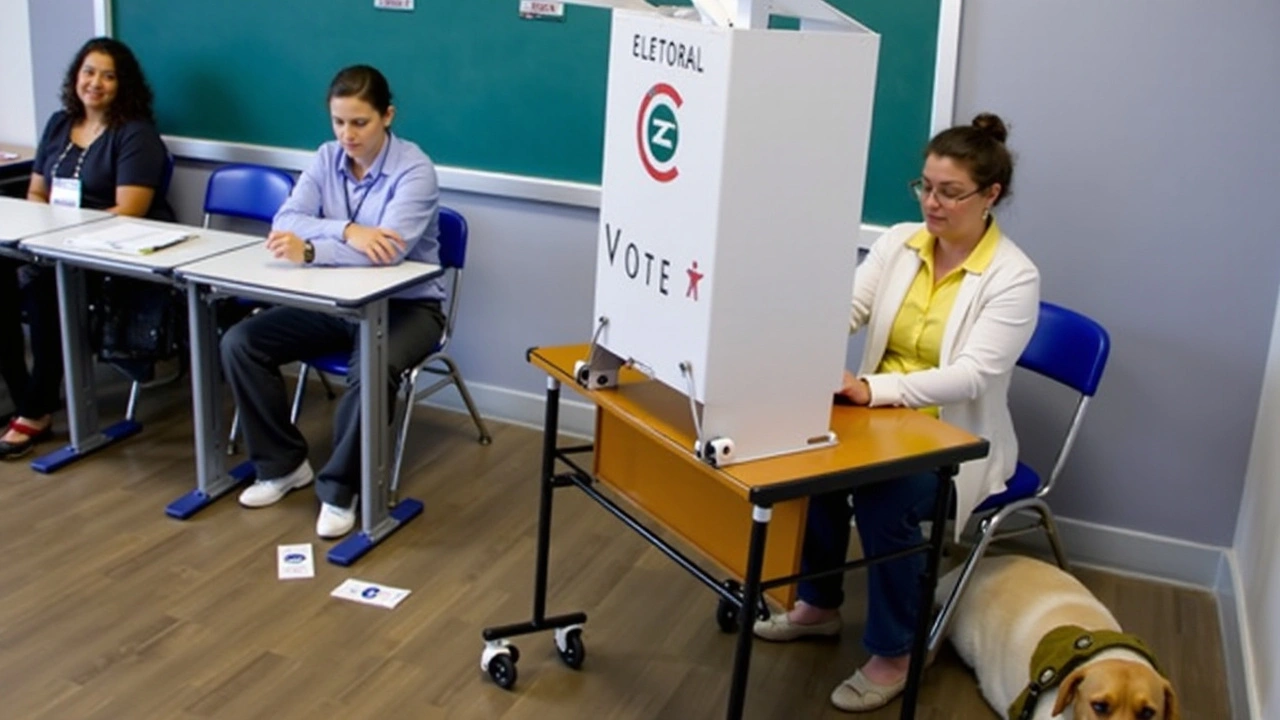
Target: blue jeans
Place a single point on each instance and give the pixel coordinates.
(889, 516)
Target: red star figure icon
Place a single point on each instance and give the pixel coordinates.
(694, 277)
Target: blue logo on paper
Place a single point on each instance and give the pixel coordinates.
(294, 558)
(369, 593)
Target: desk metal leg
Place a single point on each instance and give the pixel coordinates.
(82, 396)
(499, 657)
(928, 584)
(375, 452)
(212, 479)
(760, 517)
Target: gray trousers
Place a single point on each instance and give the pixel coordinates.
(253, 351)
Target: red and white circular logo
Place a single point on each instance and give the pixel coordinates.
(658, 132)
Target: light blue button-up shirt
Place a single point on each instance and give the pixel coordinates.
(399, 192)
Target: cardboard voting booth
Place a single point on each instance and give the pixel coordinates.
(734, 164)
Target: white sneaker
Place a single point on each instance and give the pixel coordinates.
(334, 521)
(268, 492)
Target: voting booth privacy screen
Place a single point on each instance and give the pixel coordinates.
(734, 170)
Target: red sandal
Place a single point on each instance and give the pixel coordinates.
(12, 451)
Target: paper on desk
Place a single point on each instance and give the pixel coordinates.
(8, 155)
(129, 238)
(369, 593)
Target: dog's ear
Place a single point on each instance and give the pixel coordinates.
(1067, 690)
(1170, 703)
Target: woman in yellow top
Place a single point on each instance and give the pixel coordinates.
(949, 305)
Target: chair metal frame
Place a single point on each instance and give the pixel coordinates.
(1070, 349)
(248, 192)
(453, 251)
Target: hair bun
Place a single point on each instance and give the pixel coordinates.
(992, 125)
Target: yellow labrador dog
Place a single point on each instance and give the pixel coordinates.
(1011, 604)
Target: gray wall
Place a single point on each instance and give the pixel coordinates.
(1147, 138)
(58, 29)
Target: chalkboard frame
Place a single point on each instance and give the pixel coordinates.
(527, 187)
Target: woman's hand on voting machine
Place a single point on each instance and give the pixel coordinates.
(285, 245)
(381, 245)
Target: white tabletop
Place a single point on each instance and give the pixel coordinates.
(20, 219)
(205, 243)
(254, 268)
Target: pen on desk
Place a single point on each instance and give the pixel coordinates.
(8, 155)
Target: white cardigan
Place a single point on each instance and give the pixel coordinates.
(990, 324)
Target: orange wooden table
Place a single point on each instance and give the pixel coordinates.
(748, 518)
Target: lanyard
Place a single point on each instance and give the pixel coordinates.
(346, 195)
(346, 190)
(75, 175)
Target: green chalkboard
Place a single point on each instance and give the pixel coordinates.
(475, 85)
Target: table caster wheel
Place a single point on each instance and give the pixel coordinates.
(502, 668)
(569, 644)
(499, 660)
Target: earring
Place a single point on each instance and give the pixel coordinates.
(986, 213)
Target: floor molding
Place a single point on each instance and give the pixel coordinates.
(1242, 679)
(1135, 553)
(577, 417)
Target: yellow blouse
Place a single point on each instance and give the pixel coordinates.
(915, 340)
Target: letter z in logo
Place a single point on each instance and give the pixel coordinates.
(658, 132)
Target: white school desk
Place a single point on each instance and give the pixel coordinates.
(359, 293)
(22, 219)
(82, 411)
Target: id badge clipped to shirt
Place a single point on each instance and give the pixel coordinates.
(66, 192)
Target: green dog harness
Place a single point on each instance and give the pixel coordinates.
(1064, 649)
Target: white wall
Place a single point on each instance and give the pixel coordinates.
(58, 29)
(1257, 542)
(17, 101)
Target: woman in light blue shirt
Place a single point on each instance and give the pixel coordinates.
(369, 198)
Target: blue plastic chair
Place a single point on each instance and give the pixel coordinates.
(249, 192)
(166, 179)
(252, 192)
(453, 256)
(1071, 349)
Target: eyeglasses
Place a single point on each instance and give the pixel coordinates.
(921, 189)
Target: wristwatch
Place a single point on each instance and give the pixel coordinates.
(308, 252)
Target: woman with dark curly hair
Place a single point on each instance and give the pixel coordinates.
(100, 151)
(103, 140)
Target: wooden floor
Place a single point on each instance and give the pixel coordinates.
(110, 610)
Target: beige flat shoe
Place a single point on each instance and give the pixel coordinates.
(858, 694)
(779, 628)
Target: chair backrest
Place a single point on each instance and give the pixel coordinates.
(167, 178)
(1069, 348)
(253, 192)
(453, 238)
(453, 256)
